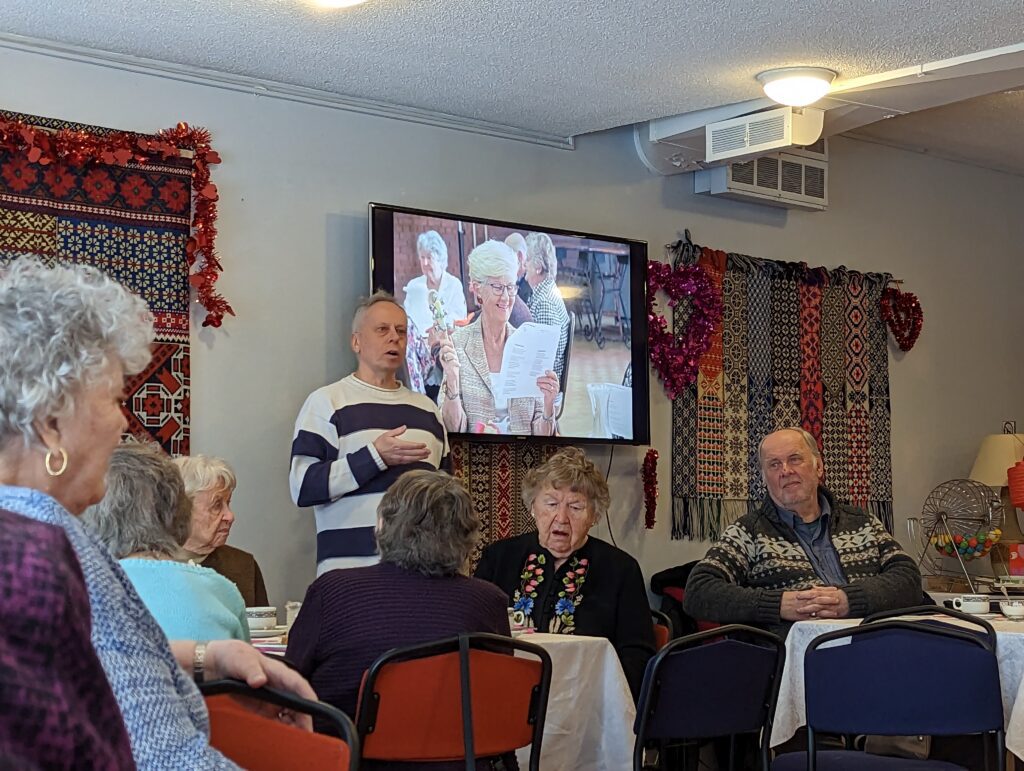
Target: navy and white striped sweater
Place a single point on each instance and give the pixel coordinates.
(336, 469)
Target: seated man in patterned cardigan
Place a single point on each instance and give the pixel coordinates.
(801, 555)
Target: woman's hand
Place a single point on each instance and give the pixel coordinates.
(548, 385)
(240, 661)
(449, 361)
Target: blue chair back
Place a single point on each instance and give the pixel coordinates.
(717, 683)
(894, 677)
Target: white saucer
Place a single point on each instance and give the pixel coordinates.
(277, 631)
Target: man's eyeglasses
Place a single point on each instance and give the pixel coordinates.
(500, 289)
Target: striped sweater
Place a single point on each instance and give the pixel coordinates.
(743, 575)
(336, 469)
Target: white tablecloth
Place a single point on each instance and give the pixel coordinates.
(589, 725)
(791, 712)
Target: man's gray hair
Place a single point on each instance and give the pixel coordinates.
(365, 303)
(490, 259)
(205, 472)
(60, 328)
(809, 440)
(516, 243)
(432, 242)
(426, 523)
(145, 507)
(540, 251)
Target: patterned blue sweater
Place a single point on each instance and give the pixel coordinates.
(163, 711)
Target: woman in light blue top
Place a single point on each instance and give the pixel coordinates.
(144, 519)
(68, 338)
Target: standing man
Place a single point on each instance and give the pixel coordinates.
(802, 554)
(353, 438)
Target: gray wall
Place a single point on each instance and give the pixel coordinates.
(293, 192)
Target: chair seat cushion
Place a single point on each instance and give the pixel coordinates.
(859, 761)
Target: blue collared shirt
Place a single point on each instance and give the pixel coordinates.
(816, 542)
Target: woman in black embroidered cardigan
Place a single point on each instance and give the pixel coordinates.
(564, 580)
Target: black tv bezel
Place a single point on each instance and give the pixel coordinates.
(382, 276)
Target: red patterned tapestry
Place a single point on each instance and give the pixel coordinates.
(798, 347)
(130, 220)
(493, 474)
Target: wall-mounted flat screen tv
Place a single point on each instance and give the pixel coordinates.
(519, 331)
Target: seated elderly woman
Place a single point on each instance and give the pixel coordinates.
(144, 519)
(546, 304)
(543, 573)
(210, 482)
(68, 338)
(426, 530)
(471, 392)
(56, 708)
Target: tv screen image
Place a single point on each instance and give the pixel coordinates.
(519, 331)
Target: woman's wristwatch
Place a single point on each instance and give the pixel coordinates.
(199, 662)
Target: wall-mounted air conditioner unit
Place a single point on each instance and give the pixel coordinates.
(761, 132)
(779, 179)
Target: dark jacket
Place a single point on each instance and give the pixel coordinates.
(241, 568)
(743, 575)
(614, 603)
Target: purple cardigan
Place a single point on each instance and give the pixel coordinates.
(349, 617)
(56, 707)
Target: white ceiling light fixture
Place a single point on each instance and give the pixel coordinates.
(796, 86)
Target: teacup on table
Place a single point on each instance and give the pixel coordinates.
(972, 603)
(263, 617)
(1012, 609)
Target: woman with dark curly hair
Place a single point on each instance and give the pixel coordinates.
(564, 580)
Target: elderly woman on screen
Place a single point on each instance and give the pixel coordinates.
(68, 338)
(543, 573)
(471, 395)
(545, 303)
(210, 482)
(426, 530)
(144, 519)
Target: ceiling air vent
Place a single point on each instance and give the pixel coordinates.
(760, 132)
(778, 179)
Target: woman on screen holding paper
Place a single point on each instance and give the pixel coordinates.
(471, 391)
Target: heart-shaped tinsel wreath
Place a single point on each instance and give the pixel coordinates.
(676, 359)
(902, 312)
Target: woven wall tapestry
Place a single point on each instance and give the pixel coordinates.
(797, 347)
(130, 219)
(493, 474)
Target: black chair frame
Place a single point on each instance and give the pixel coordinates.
(649, 696)
(338, 720)
(370, 700)
(663, 620)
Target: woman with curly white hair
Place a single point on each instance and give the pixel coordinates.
(470, 395)
(68, 338)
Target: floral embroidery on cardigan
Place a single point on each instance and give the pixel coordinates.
(569, 597)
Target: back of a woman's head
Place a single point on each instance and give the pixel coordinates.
(145, 508)
(60, 328)
(427, 523)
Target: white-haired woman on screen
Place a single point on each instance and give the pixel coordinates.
(470, 395)
(546, 304)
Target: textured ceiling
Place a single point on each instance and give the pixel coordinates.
(560, 67)
(987, 131)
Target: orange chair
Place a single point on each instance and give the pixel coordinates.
(663, 632)
(259, 743)
(460, 698)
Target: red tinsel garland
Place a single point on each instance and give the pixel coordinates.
(80, 148)
(650, 479)
(676, 360)
(903, 313)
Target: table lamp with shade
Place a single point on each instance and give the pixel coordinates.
(998, 459)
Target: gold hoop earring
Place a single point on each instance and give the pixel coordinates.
(63, 462)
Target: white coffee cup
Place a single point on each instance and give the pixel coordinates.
(291, 611)
(262, 617)
(1012, 608)
(971, 603)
